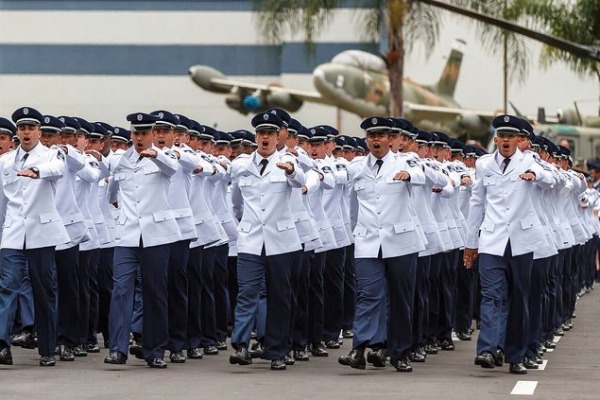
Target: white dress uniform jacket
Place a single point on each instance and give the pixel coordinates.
(179, 192)
(386, 217)
(32, 219)
(502, 207)
(145, 213)
(265, 200)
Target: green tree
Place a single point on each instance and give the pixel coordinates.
(576, 21)
(404, 22)
(516, 57)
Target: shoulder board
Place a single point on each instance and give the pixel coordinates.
(327, 169)
(412, 162)
(205, 157)
(339, 167)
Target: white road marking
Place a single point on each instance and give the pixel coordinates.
(525, 388)
(541, 367)
(556, 339)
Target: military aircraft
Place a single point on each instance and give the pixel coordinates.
(356, 81)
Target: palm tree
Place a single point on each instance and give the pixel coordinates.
(577, 22)
(405, 22)
(516, 57)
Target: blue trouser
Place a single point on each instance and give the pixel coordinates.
(333, 284)
(549, 315)
(568, 286)
(435, 270)
(221, 292)
(447, 286)
(67, 265)
(42, 272)
(349, 288)
(178, 287)
(464, 297)
(275, 271)
(232, 286)
(24, 319)
(154, 265)
(194, 326)
(505, 282)
(137, 316)
(105, 283)
(421, 303)
(539, 272)
(564, 255)
(92, 328)
(381, 281)
(299, 332)
(84, 295)
(208, 318)
(316, 310)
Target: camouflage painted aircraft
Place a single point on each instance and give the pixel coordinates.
(357, 82)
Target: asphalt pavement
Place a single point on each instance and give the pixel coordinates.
(572, 371)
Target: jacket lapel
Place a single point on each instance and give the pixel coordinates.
(271, 165)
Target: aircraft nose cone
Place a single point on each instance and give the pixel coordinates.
(203, 75)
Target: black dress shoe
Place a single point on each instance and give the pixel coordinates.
(278, 365)
(538, 360)
(177, 357)
(257, 350)
(347, 334)
(300, 355)
(221, 345)
(377, 358)
(93, 348)
(549, 344)
(355, 359)
(80, 351)
(517, 368)
(332, 344)
(211, 351)
(528, 363)
(485, 360)
(158, 363)
(464, 336)
(499, 358)
(25, 340)
(65, 353)
(289, 358)
(318, 350)
(416, 356)
(241, 356)
(431, 349)
(559, 332)
(195, 353)
(446, 344)
(402, 364)
(47, 361)
(6, 356)
(115, 357)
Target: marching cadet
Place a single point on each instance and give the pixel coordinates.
(386, 246)
(317, 138)
(7, 131)
(504, 231)
(67, 255)
(267, 239)
(32, 229)
(178, 197)
(208, 230)
(120, 140)
(145, 231)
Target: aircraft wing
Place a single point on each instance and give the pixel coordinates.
(435, 113)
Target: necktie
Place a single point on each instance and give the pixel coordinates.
(263, 164)
(379, 163)
(25, 156)
(505, 164)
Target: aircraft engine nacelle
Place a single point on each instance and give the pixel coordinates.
(283, 100)
(235, 102)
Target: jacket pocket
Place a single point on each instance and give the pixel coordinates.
(244, 226)
(49, 217)
(487, 226)
(163, 215)
(360, 231)
(285, 225)
(404, 227)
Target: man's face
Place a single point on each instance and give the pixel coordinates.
(423, 150)
(5, 143)
(206, 146)
(95, 144)
(118, 145)
(29, 135)
(456, 156)
(222, 150)
(318, 150)
(303, 144)
(291, 142)
(68, 137)
(50, 139)
(81, 141)
(142, 139)
(378, 143)
(523, 143)
(247, 149)
(181, 137)
(282, 138)
(194, 143)
(348, 154)
(396, 142)
(470, 162)
(437, 152)
(236, 150)
(163, 137)
(267, 142)
(506, 143)
(337, 152)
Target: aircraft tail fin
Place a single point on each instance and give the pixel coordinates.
(446, 85)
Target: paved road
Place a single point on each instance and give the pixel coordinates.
(572, 372)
